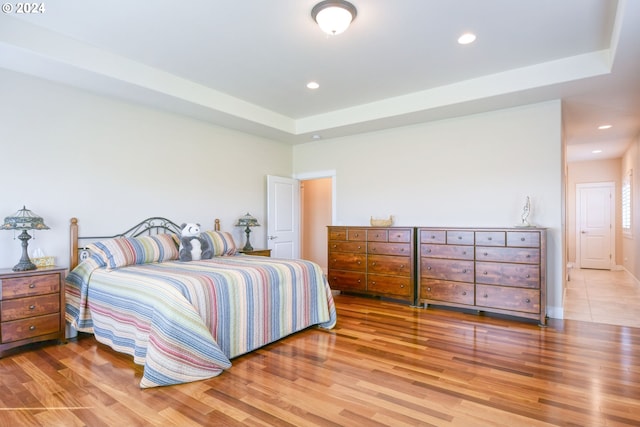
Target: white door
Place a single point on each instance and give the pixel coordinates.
(595, 214)
(283, 217)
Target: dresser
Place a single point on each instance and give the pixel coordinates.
(493, 270)
(375, 261)
(31, 306)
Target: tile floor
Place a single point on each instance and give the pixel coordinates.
(602, 296)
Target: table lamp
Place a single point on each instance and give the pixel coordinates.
(24, 220)
(247, 221)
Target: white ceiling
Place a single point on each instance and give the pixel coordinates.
(244, 64)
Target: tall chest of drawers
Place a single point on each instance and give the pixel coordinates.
(373, 261)
(494, 270)
(31, 307)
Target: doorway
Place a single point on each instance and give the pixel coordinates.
(315, 215)
(595, 225)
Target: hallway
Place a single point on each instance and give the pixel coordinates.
(603, 296)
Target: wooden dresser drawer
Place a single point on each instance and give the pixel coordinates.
(336, 233)
(446, 251)
(346, 280)
(17, 287)
(433, 236)
(31, 327)
(347, 261)
(528, 239)
(490, 238)
(458, 237)
(447, 269)
(378, 248)
(447, 291)
(400, 236)
(377, 235)
(357, 234)
(383, 264)
(517, 275)
(392, 285)
(522, 255)
(20, 308)
(355, 247)
(506, 298)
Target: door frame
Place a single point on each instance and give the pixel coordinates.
(612, 208)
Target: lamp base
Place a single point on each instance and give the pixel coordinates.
(24, 266)
(25, 263)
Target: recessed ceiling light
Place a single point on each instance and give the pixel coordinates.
(315, 136)
(313, 85)
(467, 38)
(597, 151)
(603, 127)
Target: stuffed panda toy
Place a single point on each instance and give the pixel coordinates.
(193, 247)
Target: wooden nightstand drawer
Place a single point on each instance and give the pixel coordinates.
(516, 275)
(433, 236)
(20, 308)
(29, 328)
(348, 261)
(490, 238)
(447, 291)
(447, 269)
(523, 255)
(17, 287)
(456, 237)
(396, 265)
(354, 247)
(377, 235)
(347, 280)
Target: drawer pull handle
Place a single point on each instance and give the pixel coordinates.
(459, 237)
(359, 247)
(402, 250)
(528, 256)
(357, 235)
(373, 263)
(464, 252)
(486, 296)
(429, 267)
(359, 281)
(464, 270)
(527, 300)
(428, 289)
(528, 276)
(401, 286)
(32, 328)
(433, 237)
(32, 307)
(401, 265)
(485, 273)
(464, 293)
(485, 254)
(490, 238)
(335, 246)
(522, 239)
(358, 262)
(32, 285)
(428, 251)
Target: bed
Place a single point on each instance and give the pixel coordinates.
(186, 321)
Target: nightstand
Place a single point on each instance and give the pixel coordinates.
(257, 252)
(31, 306)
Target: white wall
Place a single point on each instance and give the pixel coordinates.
(66, 152)
(630, 246)
(473, 171)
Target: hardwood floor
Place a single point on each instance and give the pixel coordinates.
(384, 364)
(603, 296)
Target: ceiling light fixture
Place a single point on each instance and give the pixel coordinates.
(467, 38)
(313, 85)
(597, 151)
(603, 127)
(334, 16)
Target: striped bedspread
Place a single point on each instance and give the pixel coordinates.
(184, 321)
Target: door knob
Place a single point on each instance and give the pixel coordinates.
(273, 237)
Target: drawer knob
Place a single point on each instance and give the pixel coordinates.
(528, 256)
(359, 281)
(357, 235)
(428, 289)
(358, 262)
(486, 296)
(464, 293)
(32, 307)
(490, 238)
(32, 285)
(485, 254)
(464, 252)
(401, 286)
(359, 247)
(32, 328)
(527, 300)
(401, 265)
(522, 239)
(373, 263)
(428, 251)
(464, 270)
(335, 246)
(402, 250)
(459, 237)
(485, 273)
(429, 267)
(528, 276)
(433, 237)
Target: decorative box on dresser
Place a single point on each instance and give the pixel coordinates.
(31, 306)
(493, 270)
(376, 261)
